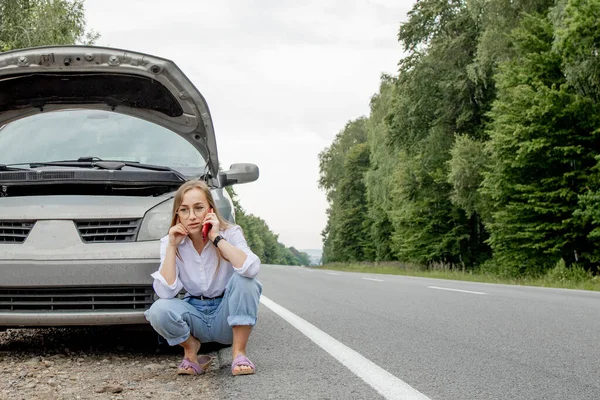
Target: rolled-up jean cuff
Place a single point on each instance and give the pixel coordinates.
(234, 320)
(179, 340)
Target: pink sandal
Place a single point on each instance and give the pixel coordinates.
(239, 361)
(196, 368)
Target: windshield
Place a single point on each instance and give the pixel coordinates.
(71, 134)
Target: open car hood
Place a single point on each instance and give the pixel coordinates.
(44, 79)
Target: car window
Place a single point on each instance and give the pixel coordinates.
(67, 135)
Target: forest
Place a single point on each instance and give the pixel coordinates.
(483, 152)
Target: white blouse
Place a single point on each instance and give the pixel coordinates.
(196, 272)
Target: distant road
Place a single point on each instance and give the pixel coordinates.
(418, 338)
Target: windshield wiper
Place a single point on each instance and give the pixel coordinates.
(95, 162)
(7, 167)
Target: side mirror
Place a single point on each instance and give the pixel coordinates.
(238, 173)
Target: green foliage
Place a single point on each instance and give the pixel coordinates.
(427, 228)
(299, 256)
(587, 215)
(466, 165)
(430, 20)
(30, 23)
(379, 175)
(436, 100)
(566, 279)
(497, 19)
(342, 170)
(578, 43)
(332, 159)
(352, 241)
(263, 242)
(563, 274)
(441, 37)
(542, 145)
(486, 143)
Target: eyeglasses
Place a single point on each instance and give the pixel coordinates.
(184, 213)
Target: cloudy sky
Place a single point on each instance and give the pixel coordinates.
(281, 78)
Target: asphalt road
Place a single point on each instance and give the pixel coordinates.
(444, 339)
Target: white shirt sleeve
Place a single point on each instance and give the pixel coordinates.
(250, 268)
(162, 289)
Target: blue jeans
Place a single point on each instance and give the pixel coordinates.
(207, 320)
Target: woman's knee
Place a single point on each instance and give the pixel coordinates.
(239, 283)
(160, 310)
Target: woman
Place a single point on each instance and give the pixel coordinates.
(217, 272)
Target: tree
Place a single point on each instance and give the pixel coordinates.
(30, 23)
(436, 100)
(379, 176)
(332, 159)
(353, 240)
(485, 143)
(587, 215)
(466, 165)
(578, 43)
(342, 168)
(543, 150)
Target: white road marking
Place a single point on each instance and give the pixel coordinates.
(374, 280)
(454, 290)
(379, 379)
(333, 273)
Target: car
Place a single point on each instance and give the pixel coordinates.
(94, 141)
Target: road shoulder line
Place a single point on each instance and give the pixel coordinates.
(454, 290)
(389, 386)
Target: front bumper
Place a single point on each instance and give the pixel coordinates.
(75, 293)
(25, 273)
(36, 319)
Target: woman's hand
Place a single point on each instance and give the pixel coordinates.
(176, 234)
(211, 218)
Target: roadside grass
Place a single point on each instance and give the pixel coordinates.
(445, 272)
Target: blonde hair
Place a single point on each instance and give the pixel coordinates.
(178, 199)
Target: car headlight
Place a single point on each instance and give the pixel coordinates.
(157, 222)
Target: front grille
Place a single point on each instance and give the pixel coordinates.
(121, 298)
(15, 231)
(102, 231)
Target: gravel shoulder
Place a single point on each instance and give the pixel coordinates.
(98, 363)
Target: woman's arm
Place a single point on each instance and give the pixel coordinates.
(166, 284)
(168, 269)
(235, 256)
(236, 250)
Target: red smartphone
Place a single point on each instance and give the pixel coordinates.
(206, 229)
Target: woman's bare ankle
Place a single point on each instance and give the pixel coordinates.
(237, 352)
(191, 347)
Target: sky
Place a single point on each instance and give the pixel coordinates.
(281, 79)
